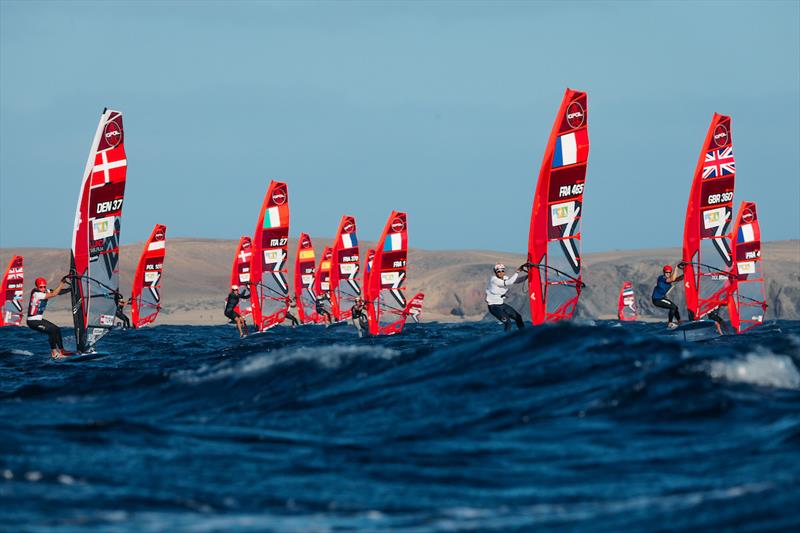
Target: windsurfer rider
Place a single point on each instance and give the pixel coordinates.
(289, 315)
(121, 303)
(662, 289)
(359, 317)
(36, 307)
(496, 290)
(319, 305)
(230, 309)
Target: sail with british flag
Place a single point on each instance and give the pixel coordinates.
(626, 306)
(94, 254)
(11, 291)
(707, 257)
(554, 239)
(268, 268)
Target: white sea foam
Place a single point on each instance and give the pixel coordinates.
(761, 367)
(332, 356)
(20, 352)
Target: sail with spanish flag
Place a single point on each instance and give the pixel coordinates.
(304, 267)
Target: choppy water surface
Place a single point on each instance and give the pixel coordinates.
(446, 427)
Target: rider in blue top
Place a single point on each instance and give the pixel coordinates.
(660, 292)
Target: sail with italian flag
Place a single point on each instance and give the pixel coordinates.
(11, 290)
(554, 240)
(270, 244)
(94, 254)
(146, 297)
(747, 301)
(707, 229)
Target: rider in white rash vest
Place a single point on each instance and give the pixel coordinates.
(496, 290)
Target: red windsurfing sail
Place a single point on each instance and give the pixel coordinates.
(94, 256)
(387, 307)
(626, 309)
(240, 273)
(747, 302)
(270, 290)
(12, 289)
(709, 216)
(554, 241)
(345, 264)
(322, 280)
(367, 270)
(304, 265)
(146, 297)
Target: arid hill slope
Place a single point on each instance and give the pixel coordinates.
(197, 272)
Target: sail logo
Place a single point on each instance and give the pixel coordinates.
(349, 227)
(721, 135)
(561, 214)
(748, 216)
(714, 218)
(102, 228)
(279, 196)
(398, 225)
(112, 133)
(306, 243)
(575, 115)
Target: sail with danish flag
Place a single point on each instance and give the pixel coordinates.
(94, 254)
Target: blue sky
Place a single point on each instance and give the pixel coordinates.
(439, 109)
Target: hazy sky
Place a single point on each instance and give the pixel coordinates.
(442, 110)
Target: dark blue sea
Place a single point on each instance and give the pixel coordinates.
(593, 426)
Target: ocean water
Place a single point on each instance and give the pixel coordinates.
(592, 426)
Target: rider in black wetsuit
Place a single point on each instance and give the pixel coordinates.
(230, 309)
(121, 303)
(319, 305)
(358, 315)
(660, 292)
(36, 307)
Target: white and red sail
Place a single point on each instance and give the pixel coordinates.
(747, 301)
(270, 291)
(626, 307)
(304, 267)
(94, 256)
(146, 296)
(554, 242)
(240, 273)
(345, 264)
(11, 290)
(709, 215)
(387, 307)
